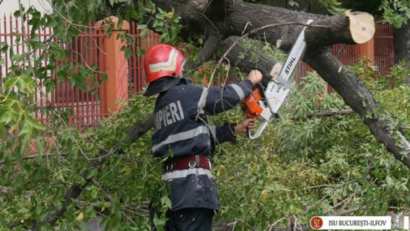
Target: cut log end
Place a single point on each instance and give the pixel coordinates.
(362, 27)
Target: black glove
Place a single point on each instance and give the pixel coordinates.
(265, 81)
(266, 78)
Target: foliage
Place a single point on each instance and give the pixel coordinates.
(119, 193)
(333, 6)
(309, 166)
(32, 184)
(302, 165)
(396, 12)
(167, 23)
(28, 73)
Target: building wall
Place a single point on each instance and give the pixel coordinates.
(10, 6)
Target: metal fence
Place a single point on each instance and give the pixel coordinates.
(347, 54)
(384, 49)
(85, 51)
(136, 80)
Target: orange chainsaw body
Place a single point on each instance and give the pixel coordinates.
(250, 104)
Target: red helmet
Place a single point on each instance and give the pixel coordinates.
(163, 60)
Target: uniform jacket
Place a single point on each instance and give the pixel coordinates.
(181, 129)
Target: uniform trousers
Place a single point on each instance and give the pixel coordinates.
(190, 219)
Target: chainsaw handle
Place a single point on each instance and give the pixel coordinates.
(259, 131)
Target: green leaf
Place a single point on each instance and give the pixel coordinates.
(4, 47)
(160, 222)
(92, 173)
(39, 145)
(52, 23)
(128, 53)
(26, 128)
(144, 34)
(141, 26)
(166, 201)
(37, 125)
(25, 141)
(140, 51)
(2, 130)
(17, 13)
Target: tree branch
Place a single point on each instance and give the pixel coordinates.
(330, 113)
(348, 211)
(240, 55)
(138, 130)
(361, 100)
(210, 46)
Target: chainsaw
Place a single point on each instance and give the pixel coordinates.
(265, 101)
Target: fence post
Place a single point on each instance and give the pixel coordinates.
(115, 88)
(367, 49)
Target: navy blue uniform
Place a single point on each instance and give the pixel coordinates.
(179, 131)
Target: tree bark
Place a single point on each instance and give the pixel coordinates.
(401, 37)
(235, 17)
(361, 100)
(246, 59)
(243, 17)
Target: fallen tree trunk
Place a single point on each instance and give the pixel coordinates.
(361, 100)
(244, 17)
(235, 18)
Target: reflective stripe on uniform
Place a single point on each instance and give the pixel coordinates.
(182, 136)
(185, 172)
(238, 91)
(202, 100)
(213, 132)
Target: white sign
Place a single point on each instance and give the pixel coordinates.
(351, 223)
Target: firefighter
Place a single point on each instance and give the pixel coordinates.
(183, 135)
